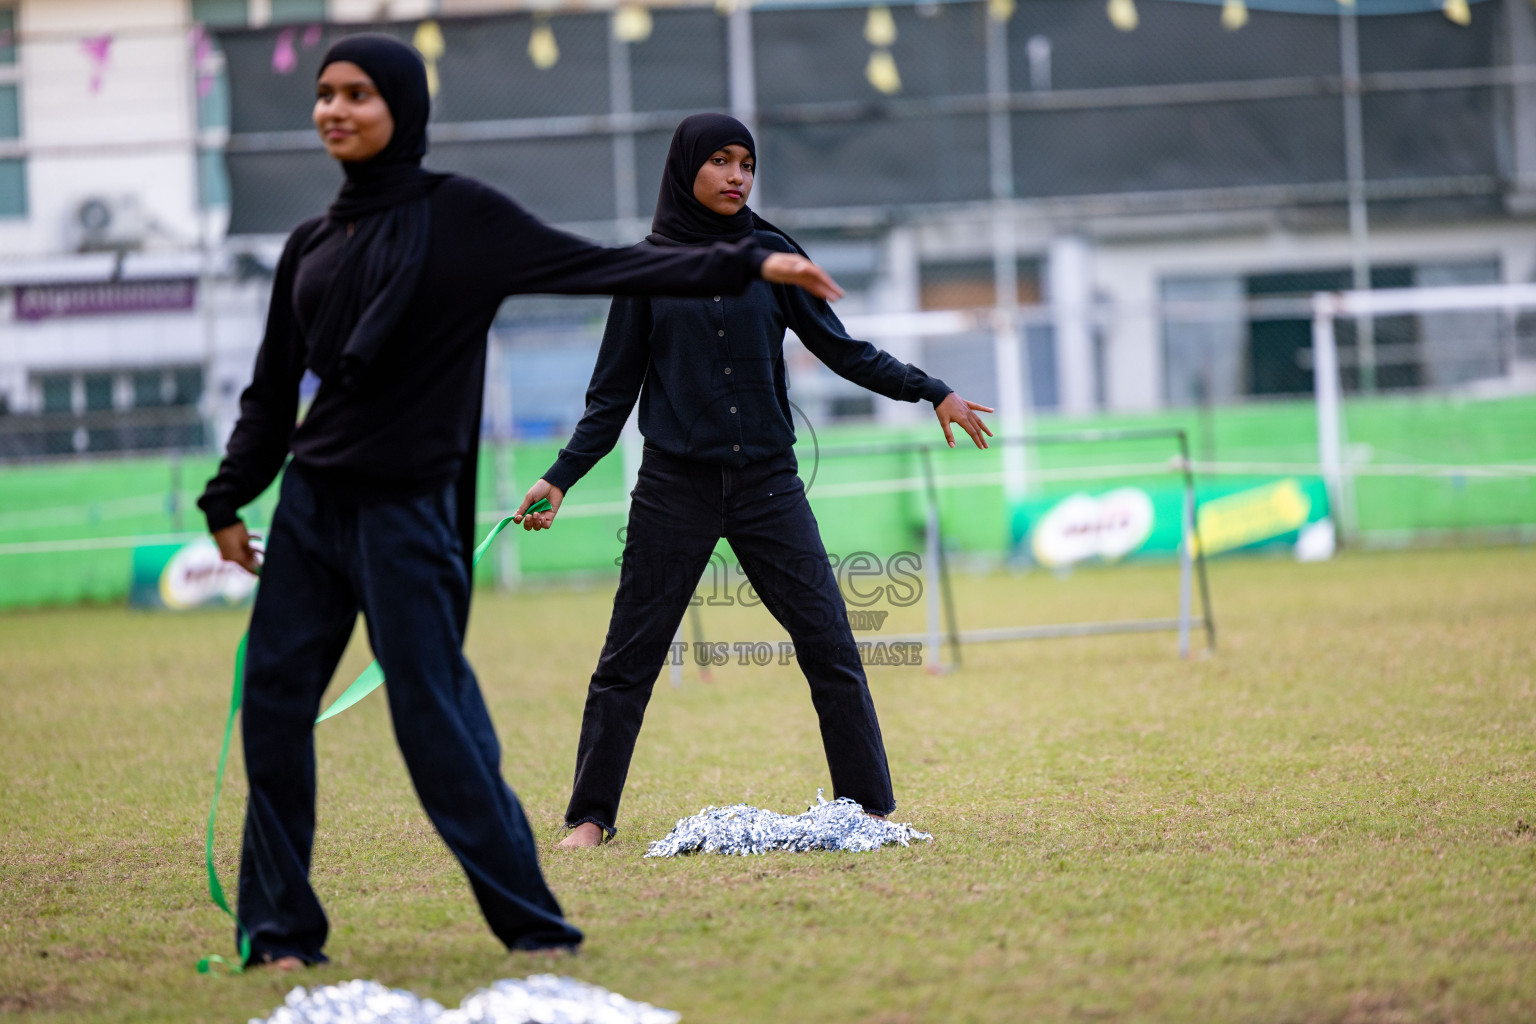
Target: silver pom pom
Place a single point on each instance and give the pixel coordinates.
(741, 830)
(539, 999)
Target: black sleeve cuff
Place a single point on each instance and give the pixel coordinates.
(920, 387)
(218, 512)
(936, 391)
(564, 474)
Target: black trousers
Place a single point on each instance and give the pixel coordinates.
(401, 564)
(679, 510)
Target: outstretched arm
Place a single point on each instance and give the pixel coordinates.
(879, 371)
(533, 257)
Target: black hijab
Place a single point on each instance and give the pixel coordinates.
(385, 200)
(680, 218)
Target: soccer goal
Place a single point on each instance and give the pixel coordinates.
(1426, 412)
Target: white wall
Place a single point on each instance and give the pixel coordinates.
(1127, 277)
(132, 137)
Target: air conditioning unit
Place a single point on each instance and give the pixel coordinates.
(109, 223)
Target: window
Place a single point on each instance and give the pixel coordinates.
(98, 392)
(13, 166)
(7, 35)
(58, 393)
(10, 113)
(222, 13)
(188, 386)
(212, 178)
(288, 11)
(147, 389)
(13, 188)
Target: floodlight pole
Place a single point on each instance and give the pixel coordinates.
(1013, 392)
(621, 105)
(741, 72)
(1354, 170)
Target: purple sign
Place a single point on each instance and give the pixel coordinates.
(45, 301)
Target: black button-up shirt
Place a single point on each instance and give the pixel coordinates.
(709, 374)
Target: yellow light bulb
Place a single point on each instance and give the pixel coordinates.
(880, 27)
(542, 48)
(1458, 11)
(632, 23)
(881, 72)
(1122, 15)
(1000, 10)
(428, 40)
(1234, 15)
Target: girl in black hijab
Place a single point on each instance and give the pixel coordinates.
(387, 299)
(719, 461)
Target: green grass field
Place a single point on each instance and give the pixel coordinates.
(1330, 820)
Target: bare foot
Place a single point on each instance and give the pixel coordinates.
(281, 963)
(582, 836)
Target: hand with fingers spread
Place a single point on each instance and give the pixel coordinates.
(539, 520)
(955, 409)
(235, 545)
(788, 268)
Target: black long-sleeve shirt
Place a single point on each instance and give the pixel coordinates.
(409, 422)
(710, 377)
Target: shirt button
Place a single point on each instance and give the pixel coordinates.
(720, 333)
(717, 298)
(735, 447)
(727, 369)
(733, 408)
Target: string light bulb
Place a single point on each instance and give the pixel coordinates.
(632, 23)
(542, 48)
(1234, 15)
(1458, 11)
(880, 27)
(881, 72)
(428, 42)
(1122, 15)
(1000, 10)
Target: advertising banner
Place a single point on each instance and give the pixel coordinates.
(179, 577)
(98, 298)
(1133, 522)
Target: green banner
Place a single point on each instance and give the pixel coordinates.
(1133, 522)
(179, 577)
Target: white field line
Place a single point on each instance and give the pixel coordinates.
(117, 508)
(1492, 471)
(43, 547)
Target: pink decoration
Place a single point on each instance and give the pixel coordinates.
(311, 37)
(202, 54)
(97, 50)
(284, 59)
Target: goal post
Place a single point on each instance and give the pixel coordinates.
(1453, 345)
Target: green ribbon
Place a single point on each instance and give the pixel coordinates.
(373, 675)
(205, 965)
(361, 687)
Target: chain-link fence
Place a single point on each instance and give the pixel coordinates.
(1119, 226)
